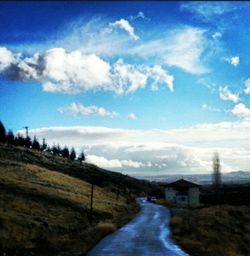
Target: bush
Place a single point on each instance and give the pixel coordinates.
(176, 221)
(106, 228)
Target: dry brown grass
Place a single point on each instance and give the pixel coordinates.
(106, 228)
(47, 213)
(214, 231)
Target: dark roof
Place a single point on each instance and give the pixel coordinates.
(182, 184)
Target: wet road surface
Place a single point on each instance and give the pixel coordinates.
(146, 235)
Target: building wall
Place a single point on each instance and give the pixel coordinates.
(192, 199)
(170, 194)
(194, 196)
(182, 199)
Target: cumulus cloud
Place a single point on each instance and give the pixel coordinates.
(226, 94)
(158, 152)
(125, 25)
(160, 76)
(128, 78)
(183, 48)
(132, 116)
(206, 107)
(6, 58)
(247, 86)
(79, 109)
(235, 61)
(240, 110)
(59, 71)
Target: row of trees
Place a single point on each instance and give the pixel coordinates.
(19, 140)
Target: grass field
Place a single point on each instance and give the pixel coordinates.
(45, 212)
(214, 231)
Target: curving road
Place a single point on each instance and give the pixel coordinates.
(146, 235)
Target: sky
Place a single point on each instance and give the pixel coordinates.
(144, 88)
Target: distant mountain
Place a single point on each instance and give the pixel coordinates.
(230, 177)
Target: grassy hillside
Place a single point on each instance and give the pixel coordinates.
(85, 171)
(44, 211)
(214, 231)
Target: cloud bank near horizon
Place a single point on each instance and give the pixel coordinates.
(157, 152)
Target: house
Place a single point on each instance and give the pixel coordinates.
(183, 192)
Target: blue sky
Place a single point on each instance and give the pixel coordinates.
(128, 68)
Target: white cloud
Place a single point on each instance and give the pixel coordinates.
(216, 35)
(140, 15)
(205, 106)
(128, 78)
(235, 61)
(209, 10)
(158, 152)
(74, 72)
(226, 94)
(247, 86)
(160, 76)
(183, 48)
(80, 72)
(113, 163)
(240, 110)
(79, 109)
(125, 25)
(132, 116)
(6, 58)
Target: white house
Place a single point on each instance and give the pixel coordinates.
(183, 192)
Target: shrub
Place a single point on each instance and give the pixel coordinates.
(106, 228)
(176, 221)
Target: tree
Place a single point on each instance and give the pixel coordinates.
(81, 157)
(28, 142)
(10, 137)
(35, 144)
(216, 175)
(72, 155)
(216, 170)
(19, 140)
(2, 132)
(56, 150)
(65, 152)
(44, 145)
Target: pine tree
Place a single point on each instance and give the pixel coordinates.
(44, 145)
(56, 150)
(65, 152)
(10, 137)
(19, 140)
(2, 132)
(28, 142)
(35, 144)
(81, 157)
(72, 155)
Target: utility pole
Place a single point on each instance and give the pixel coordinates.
(27, 131)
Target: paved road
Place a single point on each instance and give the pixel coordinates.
(146, 235)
